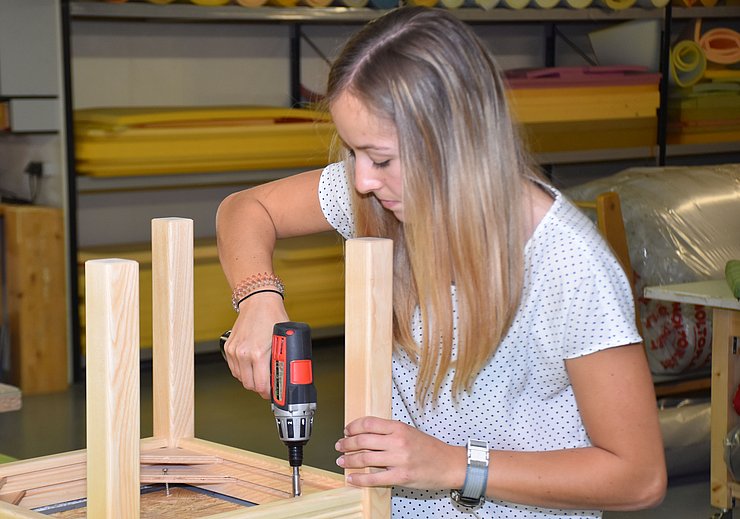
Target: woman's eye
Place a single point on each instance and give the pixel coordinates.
(381, 165)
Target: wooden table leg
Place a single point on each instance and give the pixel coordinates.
(725, 378)
(369, 345)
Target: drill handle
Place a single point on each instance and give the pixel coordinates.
(291, 365)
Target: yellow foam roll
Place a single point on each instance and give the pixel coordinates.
(578, 4)
(483, 4)
(423, 3)
(647, 4)
(251, 3)
(688, 63)
(720, 45)
(617, 5)
(515, 4)
(316, 3)
(545, 4)
(283, 3)
(210, 3)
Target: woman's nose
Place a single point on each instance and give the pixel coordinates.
(366, 180)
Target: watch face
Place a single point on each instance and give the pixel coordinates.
(478, 453)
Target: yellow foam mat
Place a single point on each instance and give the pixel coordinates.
(709, 137)
(139, 116)
(312, 268)
(552, 105)
(612, 109)
(140, 141)
(592, 135)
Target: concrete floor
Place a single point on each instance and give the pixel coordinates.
(225, 413)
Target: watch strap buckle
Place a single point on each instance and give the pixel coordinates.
(468, 502)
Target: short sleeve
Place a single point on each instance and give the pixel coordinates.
(334, 196)
(602, 312)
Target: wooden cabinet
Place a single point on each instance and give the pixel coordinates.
(33, 245)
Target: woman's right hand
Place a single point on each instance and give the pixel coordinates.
(248, 347)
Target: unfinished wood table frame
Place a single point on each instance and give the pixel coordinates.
(109, 473)
(716, 294)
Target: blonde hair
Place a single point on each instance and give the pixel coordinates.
(462, 171)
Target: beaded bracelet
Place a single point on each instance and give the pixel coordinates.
(252, 283)
(282, 296)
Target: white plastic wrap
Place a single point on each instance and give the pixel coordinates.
(682, 225)
(685, 427)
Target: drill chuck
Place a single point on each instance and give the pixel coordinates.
(295, 424)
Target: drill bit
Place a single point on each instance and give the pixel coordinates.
(166, 482)
(296, 482)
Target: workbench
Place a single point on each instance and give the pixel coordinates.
(716, 294)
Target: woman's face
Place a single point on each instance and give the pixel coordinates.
(374, 143)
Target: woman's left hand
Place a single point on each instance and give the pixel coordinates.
(405, 456)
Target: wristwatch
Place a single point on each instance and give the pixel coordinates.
(473, 493)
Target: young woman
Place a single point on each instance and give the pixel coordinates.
(519, 380)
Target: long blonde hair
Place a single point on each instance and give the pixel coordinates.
(462, 171)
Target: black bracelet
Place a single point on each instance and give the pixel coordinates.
(278, 292)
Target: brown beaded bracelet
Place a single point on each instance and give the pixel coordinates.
(252, 283)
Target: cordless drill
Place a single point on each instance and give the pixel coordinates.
(292, 391)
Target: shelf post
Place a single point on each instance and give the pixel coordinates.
(665, 61)
(295, 65)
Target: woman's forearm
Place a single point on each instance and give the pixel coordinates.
(582, 478)
(249, 222)
(245, 237)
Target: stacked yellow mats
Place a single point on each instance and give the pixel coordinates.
(312, 268)
(161, 140)
(585, 108)
(704, 100)
(705, 113)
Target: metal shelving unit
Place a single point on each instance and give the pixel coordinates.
(343, 15)
(297, 17)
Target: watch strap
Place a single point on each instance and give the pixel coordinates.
(472, 494)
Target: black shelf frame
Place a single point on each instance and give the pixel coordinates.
(297, 17)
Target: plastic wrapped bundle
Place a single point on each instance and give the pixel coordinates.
(682, 225)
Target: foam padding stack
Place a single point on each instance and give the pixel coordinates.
(585, 108)
(704, 113)
(163, 140)
(704, 100)
(312, 268)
